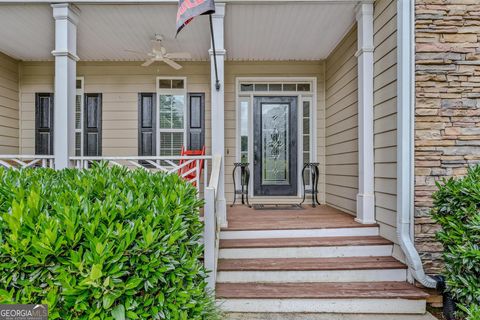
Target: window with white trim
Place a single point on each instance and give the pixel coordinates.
(243, 124)
(171, 128)
(306, 114)
(80, 90)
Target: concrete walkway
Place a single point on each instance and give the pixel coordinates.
(324, 316)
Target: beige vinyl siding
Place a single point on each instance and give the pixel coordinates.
(35, 77)
(9, 114)
(233, 70)
(119, 83)
(385, 117)
(341, 122)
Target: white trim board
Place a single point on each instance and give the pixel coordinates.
(384, 306)
(372, 275)
(307, 252)
(299, 233)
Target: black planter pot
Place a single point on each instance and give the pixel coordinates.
(449, 304)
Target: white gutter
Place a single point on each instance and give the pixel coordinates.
(405, 139)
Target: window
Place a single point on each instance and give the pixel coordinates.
(244, 102)
(265, 87)
(79, 117)
(306, 133)
(171, 116)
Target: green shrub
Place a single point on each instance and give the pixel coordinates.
(457, 210)
(104, 243)
(473, 312)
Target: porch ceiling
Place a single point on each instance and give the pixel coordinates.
(275, 31)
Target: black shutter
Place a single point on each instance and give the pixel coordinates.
(146, 124)
(44, 123)
(92, 126)
(196, 121)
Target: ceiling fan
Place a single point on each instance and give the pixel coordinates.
(159, 53)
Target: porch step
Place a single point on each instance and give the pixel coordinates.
(309, 247)
(323, 316)
(353, 297)
(345, 269)
(272, 233)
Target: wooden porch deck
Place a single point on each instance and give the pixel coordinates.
(241, 217)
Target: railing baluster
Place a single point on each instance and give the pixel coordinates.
(205, 175)
(197, 176)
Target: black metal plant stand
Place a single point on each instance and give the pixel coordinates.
(315, 173)
(244, 180)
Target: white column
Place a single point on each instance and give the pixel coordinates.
(365, 196)
(218, 106)
(66, 18)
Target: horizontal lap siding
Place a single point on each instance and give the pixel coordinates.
(268, 69)
(9, 114)
(119, 83)
(341, 147)
(35, 77)
(385, 115)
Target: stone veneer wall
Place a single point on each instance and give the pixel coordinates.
(447, 135)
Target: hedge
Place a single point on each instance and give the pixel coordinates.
(103, 243)
(457, 210)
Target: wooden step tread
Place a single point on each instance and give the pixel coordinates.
(303, 242)
(319, 290)
(305, 264)
(243, 218)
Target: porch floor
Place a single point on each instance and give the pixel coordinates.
(241, 217)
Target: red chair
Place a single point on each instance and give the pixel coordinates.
(189, 171)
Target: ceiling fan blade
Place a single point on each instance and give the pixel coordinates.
(179, 55)
(148, 62)
(136, 52)
(172, 64)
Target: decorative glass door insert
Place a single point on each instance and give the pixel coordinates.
(275, 146)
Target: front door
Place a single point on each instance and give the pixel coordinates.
(275, 146)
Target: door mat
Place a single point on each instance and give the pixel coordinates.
(277, 207)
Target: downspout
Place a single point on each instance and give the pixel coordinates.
(405, 139)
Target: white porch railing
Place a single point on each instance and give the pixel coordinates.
(11, 161)
(188, 167)
(211, 234)
(169, 165)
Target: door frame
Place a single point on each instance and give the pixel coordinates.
(301, 96)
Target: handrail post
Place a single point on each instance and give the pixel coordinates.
(205, 176)
(209, 237)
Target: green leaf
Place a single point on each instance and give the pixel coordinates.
(108, 300)
(118, 313)
(133, 283)
(132, 315)
(99, 248)
(32, 260)
(96, 272)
